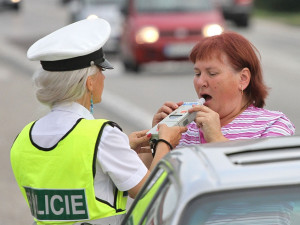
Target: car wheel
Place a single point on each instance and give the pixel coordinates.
(16, 7)
(131, 66)
(242, 20)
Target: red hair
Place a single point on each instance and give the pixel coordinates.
(240, 53)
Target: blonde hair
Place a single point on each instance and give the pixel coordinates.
(57, 87)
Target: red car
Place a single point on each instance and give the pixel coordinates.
(158, 30)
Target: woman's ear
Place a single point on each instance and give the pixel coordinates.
(245, 77)
(89, 83)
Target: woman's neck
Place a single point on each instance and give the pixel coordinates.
(229, 118)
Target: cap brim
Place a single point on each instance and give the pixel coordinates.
(106, 64)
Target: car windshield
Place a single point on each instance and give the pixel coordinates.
(277, 205)
(173, 5)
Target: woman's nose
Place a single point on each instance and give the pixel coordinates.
(201, 81)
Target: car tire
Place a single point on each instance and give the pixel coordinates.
(131, 66)
(242, 20)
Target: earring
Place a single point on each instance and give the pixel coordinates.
(242, 91)
(92, 105)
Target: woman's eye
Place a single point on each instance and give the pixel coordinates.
(103, 69)
(197, 74)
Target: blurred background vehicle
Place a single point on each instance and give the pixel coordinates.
(106, 9)
(238, 11)
(237, 182)
(10, 4)
(156, 30)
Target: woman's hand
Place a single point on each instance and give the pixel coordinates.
(209, 121)
(164, 111)
(139, 139)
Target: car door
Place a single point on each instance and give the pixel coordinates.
(156, 201)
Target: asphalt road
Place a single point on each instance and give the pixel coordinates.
(128, 99)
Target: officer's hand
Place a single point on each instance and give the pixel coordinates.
(171, 134)
(139, 139)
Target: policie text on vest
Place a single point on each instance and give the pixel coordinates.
(57, 204)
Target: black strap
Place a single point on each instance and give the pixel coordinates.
(75, 63)
(154, 143)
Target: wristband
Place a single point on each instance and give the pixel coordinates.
(155, 142)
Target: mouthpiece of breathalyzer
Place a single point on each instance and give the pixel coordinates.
(201, 101)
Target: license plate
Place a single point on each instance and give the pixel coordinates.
(178, 50)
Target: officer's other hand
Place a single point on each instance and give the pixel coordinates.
(139, 140)
(171, 134)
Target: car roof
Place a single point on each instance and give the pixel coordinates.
(232, 165)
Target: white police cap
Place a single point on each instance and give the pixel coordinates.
(75, 46)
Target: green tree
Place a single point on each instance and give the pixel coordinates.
(279, 5)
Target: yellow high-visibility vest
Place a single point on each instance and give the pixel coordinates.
(58, 182)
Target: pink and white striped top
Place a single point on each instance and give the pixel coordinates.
(252, 123)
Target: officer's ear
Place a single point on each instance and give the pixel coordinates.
(89, 83)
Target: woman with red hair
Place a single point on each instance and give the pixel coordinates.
(228, 75)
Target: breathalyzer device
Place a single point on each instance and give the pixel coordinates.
(179, 117)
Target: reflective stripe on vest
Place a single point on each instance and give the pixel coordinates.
(58, 182)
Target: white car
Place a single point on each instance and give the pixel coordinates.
(105, 9)
(234, 183)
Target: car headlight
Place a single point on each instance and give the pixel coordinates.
(147, 35)
(91, 17)
(212, 29)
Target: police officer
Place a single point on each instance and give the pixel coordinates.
(70, 167)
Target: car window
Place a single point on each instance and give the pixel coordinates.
(156, 202)
(274, 205)
(99, 2)
(173, 5)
